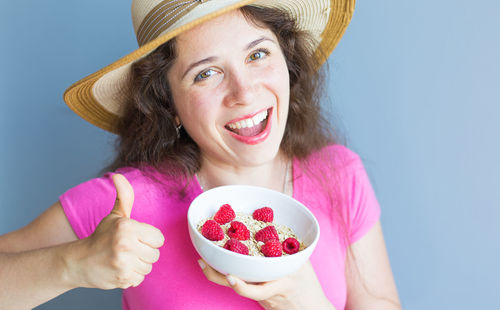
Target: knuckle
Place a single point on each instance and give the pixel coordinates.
(120, 244)
(123, 224)
(123, 279)
(119, 262)
(115, 263)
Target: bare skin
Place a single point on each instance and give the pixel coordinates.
(238, 84)
(121, 252)
(372, 288)
(243, 74)
(45, 259)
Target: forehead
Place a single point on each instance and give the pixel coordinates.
(228, 31)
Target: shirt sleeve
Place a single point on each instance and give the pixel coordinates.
(85, 205)
(363, 207)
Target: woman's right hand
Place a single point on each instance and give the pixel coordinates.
(121, 251)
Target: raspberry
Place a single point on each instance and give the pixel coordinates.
(266, 234)
(264, 214)
(239, 231)
(271, 248)
(212, 231)
(225, 214)
(236, 246)
(291, 246)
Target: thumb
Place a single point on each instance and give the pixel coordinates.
(124, 196)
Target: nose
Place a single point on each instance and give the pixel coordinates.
(241, 87)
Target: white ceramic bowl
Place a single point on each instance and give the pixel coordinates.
(287, 211)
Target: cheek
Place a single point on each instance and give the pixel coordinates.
(203, 102)
(189, 100)
(277, 76)
(196, 109)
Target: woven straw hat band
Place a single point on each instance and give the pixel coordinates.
(152, 18)
(162, 17)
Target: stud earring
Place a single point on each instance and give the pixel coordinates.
(178, 130)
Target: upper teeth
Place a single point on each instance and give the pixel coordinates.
(249, 122)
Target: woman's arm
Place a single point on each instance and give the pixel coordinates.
(32, 268)
(33, 277)
(370, 284)
(45, 259)
(49, 229)
(300, 290)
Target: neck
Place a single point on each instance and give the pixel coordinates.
(271, 174)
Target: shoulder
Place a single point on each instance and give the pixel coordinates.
(105, 182)
(333, 166)
(142, 180)
(334, 156)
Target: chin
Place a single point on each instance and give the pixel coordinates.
(259, 154)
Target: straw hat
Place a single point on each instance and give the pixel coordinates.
(98, 98)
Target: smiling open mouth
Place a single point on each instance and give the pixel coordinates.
(250, 127)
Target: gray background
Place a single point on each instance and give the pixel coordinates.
(411, 86)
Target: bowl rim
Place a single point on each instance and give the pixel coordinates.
(307, 251)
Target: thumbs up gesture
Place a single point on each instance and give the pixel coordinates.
(124, 196)
(121, 251)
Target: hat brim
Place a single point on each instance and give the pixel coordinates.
(98, 97)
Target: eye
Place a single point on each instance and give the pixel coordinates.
(259, 54)
(205, 75)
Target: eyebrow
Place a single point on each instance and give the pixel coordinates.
(213, 58)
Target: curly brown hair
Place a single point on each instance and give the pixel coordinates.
(147, 133)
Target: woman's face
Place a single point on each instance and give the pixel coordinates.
(230, 86)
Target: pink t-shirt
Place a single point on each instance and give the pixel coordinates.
(177, 282)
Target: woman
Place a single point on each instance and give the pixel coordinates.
(219, 93)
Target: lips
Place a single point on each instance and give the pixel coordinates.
(251, 129)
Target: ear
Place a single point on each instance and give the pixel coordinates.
(177, 121)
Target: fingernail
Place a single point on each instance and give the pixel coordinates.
(231, 280)
(202, 264)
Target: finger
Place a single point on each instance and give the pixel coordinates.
(134, 279)
(147, 254)
(142, 267)
(124, 196)
(150, 235)
(212, 274)
(257, 291)
(137, 279)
